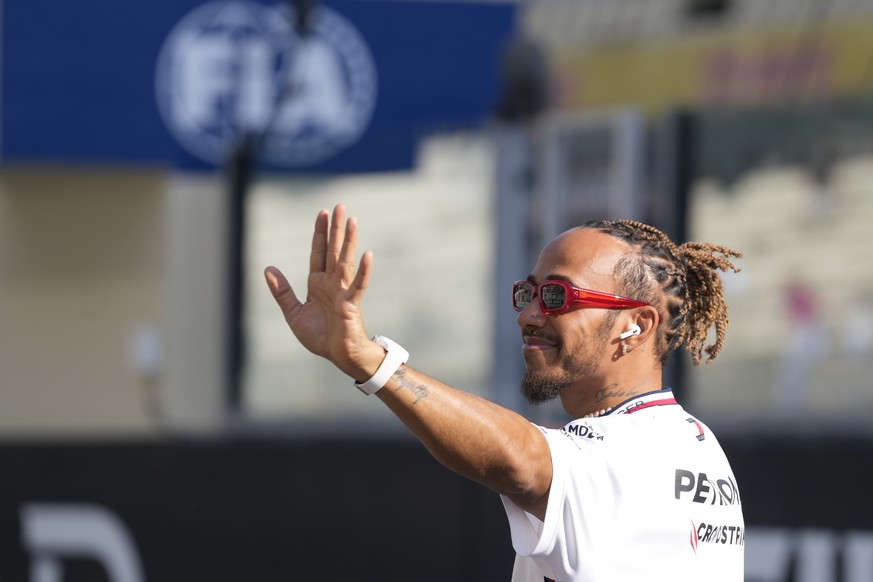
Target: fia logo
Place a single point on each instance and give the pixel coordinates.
(235, 68)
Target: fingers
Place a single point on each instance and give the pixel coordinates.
(337, 238)
(331, 241)
(362, 278)
(319, 244)
(346, 259)
(281, 290)
(334, 244)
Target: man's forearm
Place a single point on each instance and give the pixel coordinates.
(473, 436)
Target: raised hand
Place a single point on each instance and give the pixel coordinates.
(329, 323)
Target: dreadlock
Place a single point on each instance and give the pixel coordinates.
(680, 281)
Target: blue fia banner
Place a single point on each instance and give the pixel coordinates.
(181, 82)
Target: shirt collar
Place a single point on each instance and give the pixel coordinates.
(643, 401)
(630, 406)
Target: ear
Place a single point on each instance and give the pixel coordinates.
(647, 319)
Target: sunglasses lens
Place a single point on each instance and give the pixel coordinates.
(553, 296)
(521, 296)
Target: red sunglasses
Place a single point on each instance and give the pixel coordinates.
(559, 296)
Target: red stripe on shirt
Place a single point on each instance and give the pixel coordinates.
(639, 407)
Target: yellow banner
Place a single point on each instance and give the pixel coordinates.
(719, 69)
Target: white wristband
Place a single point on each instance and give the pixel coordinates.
(395, 357)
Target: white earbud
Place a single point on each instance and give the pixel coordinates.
(634, 329)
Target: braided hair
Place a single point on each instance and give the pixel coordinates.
(681, 281)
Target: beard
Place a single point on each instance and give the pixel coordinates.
(541, 386)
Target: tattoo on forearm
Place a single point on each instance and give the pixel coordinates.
(612, 391)
(419, 391)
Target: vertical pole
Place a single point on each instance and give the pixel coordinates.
(675, 167)
(513, 147)
(240, 175)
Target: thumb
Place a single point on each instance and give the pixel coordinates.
(281, 290)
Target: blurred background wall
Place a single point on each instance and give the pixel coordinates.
(112, 301)
(155, 158)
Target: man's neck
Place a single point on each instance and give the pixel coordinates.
(594, 400)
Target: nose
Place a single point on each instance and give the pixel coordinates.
(532, 315)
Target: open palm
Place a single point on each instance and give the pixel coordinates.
(329, 323)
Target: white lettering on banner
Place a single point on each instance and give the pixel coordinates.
(203, 80)
(814, 555)
(52, 531)
(232, 68)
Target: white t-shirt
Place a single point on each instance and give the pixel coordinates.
(644, 492)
